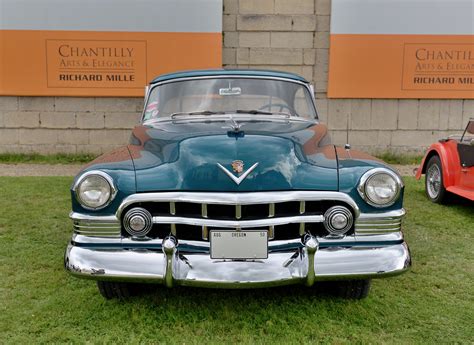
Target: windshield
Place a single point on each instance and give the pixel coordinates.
(229, 95)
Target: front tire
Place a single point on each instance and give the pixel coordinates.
(353, 289)
(434, 182)
(110, 290)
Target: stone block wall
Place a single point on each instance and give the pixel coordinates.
(293, 36)
(66, 124)
(288, 35)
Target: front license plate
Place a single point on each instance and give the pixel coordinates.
(232, 244)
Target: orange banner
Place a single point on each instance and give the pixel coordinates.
(401, 66)
(89, 63)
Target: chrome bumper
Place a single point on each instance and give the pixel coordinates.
(305, 265)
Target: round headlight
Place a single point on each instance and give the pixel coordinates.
(380, 187)
(95, 190)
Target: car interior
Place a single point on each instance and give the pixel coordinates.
(466, 146)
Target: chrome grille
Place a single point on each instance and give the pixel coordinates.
(284, 215)
(100, 227)
(372, 224)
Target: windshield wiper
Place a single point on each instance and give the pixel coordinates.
(204, 112)
(260, 112)
(252, 111)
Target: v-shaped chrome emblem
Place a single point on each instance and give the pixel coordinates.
(237, 180)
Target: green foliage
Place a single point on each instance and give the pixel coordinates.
(41, 303)
(60, 158)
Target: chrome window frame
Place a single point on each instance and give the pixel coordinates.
(224, 76)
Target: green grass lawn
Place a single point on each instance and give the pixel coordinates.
(40, 303)
(35, 158)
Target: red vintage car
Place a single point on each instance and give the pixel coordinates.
(449, 166)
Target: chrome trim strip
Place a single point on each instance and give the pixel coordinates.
(302, 229)
(80, 225)
(173, 212)
(383, 215)
(302, 207)
(379, 223)
(205, 233)
(272, 245)
(238, 211)
(89, 218)
(98, 234)
(228, 76)
(95, 226)
(246, 198)
(224, 117)
(172, 208)
(375, 232)
(204, 230)
(238, 224)
(271, 232)
(271, 210)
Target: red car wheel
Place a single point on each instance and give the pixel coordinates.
(434, 186)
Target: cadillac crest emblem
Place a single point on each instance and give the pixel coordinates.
(238, 166)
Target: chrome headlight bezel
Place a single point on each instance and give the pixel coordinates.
(366, 177)
(84, 177)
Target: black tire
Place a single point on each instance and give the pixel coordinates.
(434, 181)
(111, 290)
(353, 289)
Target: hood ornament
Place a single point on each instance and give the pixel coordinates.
(237, 167)
(234, 125)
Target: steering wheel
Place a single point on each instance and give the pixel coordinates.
(281, 105)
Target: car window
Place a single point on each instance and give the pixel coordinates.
(229, 95)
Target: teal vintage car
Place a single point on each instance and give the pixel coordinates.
(231, 181)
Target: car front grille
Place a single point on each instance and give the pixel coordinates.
(371, 224)
(285, 215)
(99, 227)
(190, 216)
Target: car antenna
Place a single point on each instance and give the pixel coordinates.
(347, 146)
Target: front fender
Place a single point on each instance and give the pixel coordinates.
(119, 165)
(446, 151)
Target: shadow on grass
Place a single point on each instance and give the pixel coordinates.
(203, 296)
(453, 201)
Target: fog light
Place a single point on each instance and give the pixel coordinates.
(138, 222)
(338, 220)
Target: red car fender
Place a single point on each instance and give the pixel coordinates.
(447, 153)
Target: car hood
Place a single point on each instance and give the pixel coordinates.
(186, 156)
